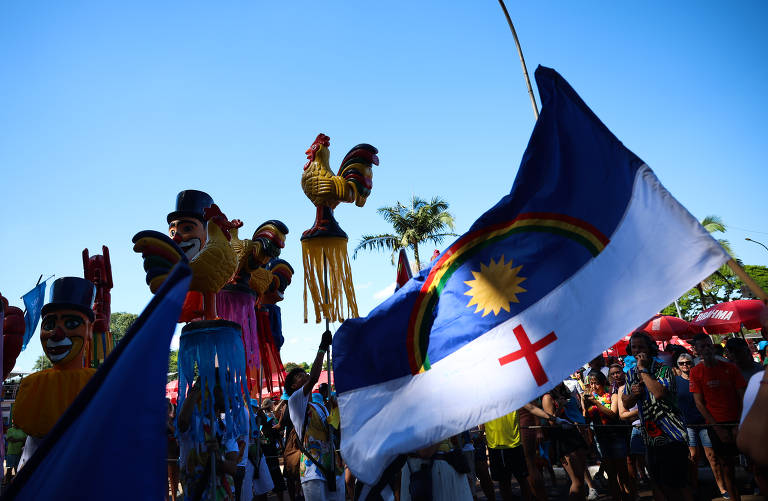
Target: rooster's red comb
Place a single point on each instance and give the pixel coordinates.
(322, 139)
(211, 212)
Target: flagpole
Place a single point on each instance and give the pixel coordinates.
(327, 323)
(522, 59)
(328, 374)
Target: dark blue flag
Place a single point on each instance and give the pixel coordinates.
(111, 443)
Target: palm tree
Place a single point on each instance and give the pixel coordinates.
(715, 224)
(413, 224)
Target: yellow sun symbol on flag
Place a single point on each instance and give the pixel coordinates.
(495, 286)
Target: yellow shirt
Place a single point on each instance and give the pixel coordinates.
(503, 432)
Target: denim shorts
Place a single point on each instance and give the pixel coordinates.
(698, 436)
(611, 446)
(636, 443)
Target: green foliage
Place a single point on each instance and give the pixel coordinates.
(759, 274)
(715, 224)
(173, 365)
(292, 365)
(119, 324)
(41, 363)
(719, 288)
(413, 224)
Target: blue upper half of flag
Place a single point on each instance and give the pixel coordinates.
(111, 443)
(571, 191)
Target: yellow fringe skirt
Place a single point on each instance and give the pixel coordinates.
(316, 252)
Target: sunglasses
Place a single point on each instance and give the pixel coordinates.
(684, 363)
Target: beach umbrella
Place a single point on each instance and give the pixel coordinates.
(620, 348)
(728, 317)
(663, 327)
(681, 342)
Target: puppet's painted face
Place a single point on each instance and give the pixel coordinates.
(189, 234)
(63, 334)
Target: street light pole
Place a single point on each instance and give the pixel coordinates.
(755, 241)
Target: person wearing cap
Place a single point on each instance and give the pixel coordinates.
(66, 329)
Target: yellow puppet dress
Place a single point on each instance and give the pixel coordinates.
(44, 396)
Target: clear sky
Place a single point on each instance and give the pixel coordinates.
(108, 109)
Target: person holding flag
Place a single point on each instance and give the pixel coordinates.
(321, 470)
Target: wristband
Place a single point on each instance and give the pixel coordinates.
(320, 350)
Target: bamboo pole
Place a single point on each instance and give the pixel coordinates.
(748, 281)
(522, 59)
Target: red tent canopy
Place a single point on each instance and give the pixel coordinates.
(729, 317)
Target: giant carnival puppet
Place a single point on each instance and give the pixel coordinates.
(98, 270)
(219, 341)
(12, 329)
(65, 331)
(271, 325)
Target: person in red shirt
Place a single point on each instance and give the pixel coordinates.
(718, 391)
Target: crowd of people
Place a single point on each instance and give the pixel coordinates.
(649, 419)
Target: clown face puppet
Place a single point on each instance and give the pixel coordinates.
(63, 334)
(190, 235)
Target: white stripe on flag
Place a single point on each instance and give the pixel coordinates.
(656, 254)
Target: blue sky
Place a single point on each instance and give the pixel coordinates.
(107, 111)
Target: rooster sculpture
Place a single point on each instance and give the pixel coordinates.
(212, 267)
(324, 245)
(325, 190)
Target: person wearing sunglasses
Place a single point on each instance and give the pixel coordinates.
(698, 437)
